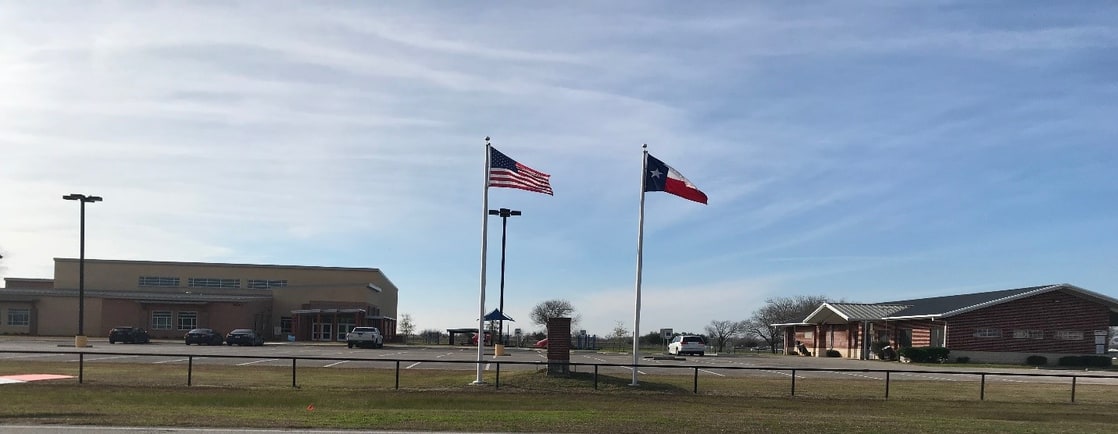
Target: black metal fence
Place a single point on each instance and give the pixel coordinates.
(595, 367)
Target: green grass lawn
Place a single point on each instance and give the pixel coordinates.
(257, 396)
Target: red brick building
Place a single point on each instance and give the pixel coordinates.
(996, 326)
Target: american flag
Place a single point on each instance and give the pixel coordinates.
(506, 172)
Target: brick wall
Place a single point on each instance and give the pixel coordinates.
(1049, 313)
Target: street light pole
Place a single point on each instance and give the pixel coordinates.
(504, 213)
(79, 340)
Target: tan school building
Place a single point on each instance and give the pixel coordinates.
(306, 303)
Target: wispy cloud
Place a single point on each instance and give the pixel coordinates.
(846, 147)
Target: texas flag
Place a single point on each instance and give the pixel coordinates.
(661, 177)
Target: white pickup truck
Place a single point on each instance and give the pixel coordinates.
(364, 337)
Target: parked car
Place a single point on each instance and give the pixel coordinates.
(684, 344)
(364, 337)
(542, 343)
(128, 335)
(244, 337)
(203, 336)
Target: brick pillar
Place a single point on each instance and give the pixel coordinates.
(558, 346)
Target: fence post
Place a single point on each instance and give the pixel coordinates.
(497, 380)
(294, 385)
(397, 375)
(696, 387)
(793, 382)
(81, 368)
(595, 376)
(982, 393)
(887, 384)
(1073, 378)
(189, 370)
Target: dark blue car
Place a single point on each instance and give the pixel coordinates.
(203, 336)
(244, 337)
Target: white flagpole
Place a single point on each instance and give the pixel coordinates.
(484, 238)
(640, 256)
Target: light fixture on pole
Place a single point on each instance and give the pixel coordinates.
(79, 340)
(504, 213)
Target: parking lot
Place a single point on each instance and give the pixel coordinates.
(445, 357)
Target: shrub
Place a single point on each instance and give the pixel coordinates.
(925, 354)
(833, 353)
(1092, 361)
(878, 348)
(1036, 361)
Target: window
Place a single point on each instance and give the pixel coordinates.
(988, 333)
(1028, 334)
(937, 337)
(904, 338)
(160, 282)
(19, 317)
(1067, 335)
(161, 320)
(285, 324)
(188, 320)
(265, 284)
(209, 282)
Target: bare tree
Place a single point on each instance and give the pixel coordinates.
(781, 310)
(619, 331)
(432, 336)
(553, 309)
(722, 331)
(406, 326)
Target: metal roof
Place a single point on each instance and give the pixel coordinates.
(940, 307)
(858, 311)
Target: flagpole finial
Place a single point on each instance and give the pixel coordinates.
(486, 139)
(644, 146)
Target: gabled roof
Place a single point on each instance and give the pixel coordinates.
(845, 312)
(941, 307)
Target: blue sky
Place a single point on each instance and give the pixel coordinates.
(865, 151)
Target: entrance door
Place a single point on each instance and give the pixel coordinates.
(322, 331)
(345, 325)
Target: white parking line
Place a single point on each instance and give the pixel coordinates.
(712, 372)
(172, 361)
(631, 368)
(415, 364)
(256, 361)
(90, 359)
(25, 356)
(853, 374)
(930, 377)
(335, 364)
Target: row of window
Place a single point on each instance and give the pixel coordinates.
(208, 282)
(1065, 335)
(19, 316)
(161, 320)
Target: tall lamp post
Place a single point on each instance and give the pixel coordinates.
(505, 213)
(79, 340)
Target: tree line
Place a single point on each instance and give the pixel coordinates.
(755, 331)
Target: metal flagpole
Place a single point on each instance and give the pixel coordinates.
(640, 255)
(484, 237)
